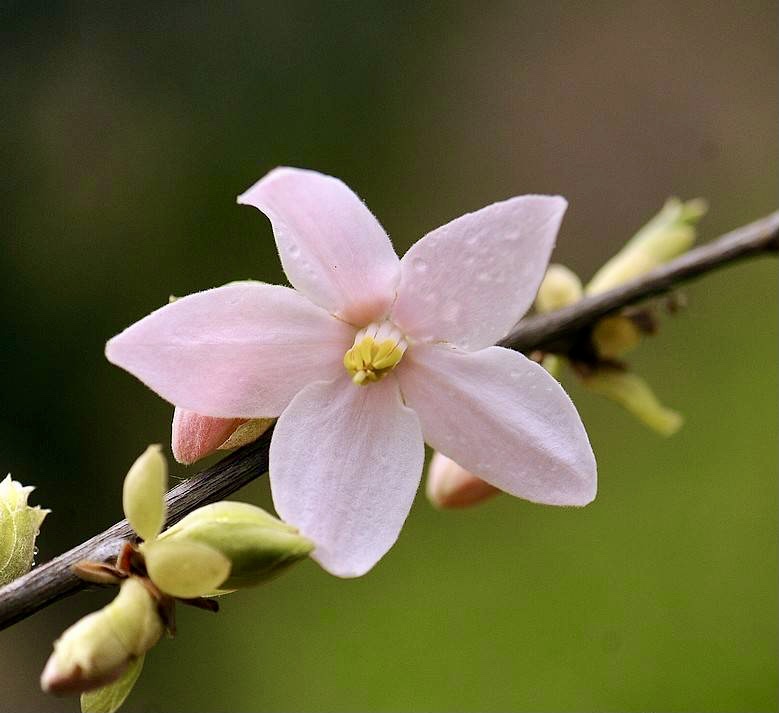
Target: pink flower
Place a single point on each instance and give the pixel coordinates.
(369, 356)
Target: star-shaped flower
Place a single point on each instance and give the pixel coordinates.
(369, 357)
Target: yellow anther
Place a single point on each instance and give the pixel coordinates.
(377, 350)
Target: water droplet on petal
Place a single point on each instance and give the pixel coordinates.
(419, 264)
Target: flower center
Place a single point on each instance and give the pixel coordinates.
(377, 350)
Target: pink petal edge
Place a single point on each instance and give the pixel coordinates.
(331, 246)
(469, 281)
(345, 464)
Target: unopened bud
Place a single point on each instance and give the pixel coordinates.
(195, 436)
(185, 569)
(143, 495)
(559, 288)
(19, 526)
(98, 648)
(615, 336)
(258, 545)
(451, 486)
(633, 393)
(670, 233)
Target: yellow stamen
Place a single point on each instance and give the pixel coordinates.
(377, 350)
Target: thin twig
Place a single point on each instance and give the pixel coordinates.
(53, 581)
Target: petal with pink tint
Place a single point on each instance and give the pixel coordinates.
(345, 463)
(194, 436)
(500, 415)
(238, 351)
(469, 281)
(332, 248)
(451, 486)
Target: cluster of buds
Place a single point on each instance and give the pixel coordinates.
(214, 550)
(19, 527)
(597, 357)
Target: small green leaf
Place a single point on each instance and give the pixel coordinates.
(110, 698)
(143, 496)
(185, 569)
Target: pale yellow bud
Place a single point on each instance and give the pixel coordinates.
(19, 526)
(97, 649)
(185, 569)
(258, 545)
(559, 288)
(143, 495)
(615, 336)
(633, 393)
(669, 234)
(451, 486)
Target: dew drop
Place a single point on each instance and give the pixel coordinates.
(419, 264)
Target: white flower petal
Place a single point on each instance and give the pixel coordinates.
(331, 246)
(469, 281)
(501, 416)
(345, 463)
(238, 351)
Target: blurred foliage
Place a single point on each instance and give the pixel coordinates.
(127, 131)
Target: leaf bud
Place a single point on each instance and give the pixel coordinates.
(143, 494)
(669, 234)
(98, 649)
(257, 545)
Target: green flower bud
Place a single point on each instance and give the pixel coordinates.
(670, 233)
(615, 336)
(258, 545)
(98, 649)
(143, 495)
(553, 363)
(633, 393)
(559, 288)
(19, 526)
(185, 568)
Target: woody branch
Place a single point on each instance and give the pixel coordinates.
(555, 331)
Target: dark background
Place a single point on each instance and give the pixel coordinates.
(127, 130)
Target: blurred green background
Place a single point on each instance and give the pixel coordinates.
(127, 131)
